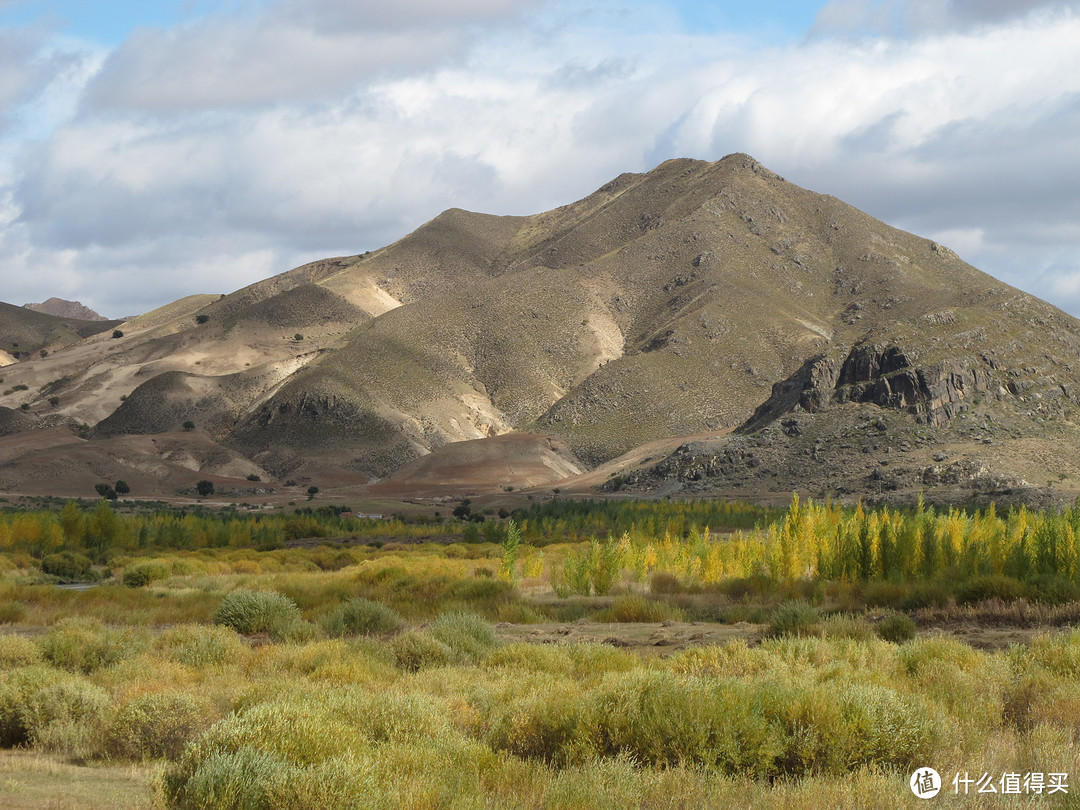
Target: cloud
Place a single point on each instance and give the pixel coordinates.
(24, 69)
(368, 16)
(297, 51)
(907, 17)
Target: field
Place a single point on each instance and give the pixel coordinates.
(572, 655)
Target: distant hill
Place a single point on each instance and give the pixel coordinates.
(794, 340)
(25, 332)
(66, 309)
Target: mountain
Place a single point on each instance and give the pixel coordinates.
(703, 327)
(66, 309)
(25, 332)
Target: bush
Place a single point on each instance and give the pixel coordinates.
(414, 651)
(204, 488)
(200, 645)
(18, 651)
(361, 617)
(924, 595)
(794, 619)
(635, 608)
(982, 588)
(249, 612)
(66, 565)
(468, 636)
(897, 628)
(665, 583)
(139, 574)
(51, 710)
(156, 725)
(86, 645)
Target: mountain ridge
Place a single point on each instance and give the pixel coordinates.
(698, 297)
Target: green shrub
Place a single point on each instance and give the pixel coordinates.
(897, 628)
(542, 724)
(1058, 653)
(140, 574)
(923, 595)
(250, 612)
(67, 565)
(760, 727)
(18, 651)
(155, 725)
(15, 688)
(12, 612)
(244, 779)
(982, 588)
(84, 645)
(361, 617)
(52, 710)
(665, 583)
(520, 613)
(849, 627)
(200, 645)
(469, 637)
(794, 619)
(635, 608)
(414, 651)
(1055, 590)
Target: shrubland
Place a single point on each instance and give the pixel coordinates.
(375, 674)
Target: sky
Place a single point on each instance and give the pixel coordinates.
(151, 149)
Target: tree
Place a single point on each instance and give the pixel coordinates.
(462, 510)
(312, 492)
(510, 547)
(205, 488)
(117, 334)
(189, 425)
(201, 319)
(106, 491)
(122, 487)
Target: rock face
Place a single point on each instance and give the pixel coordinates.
(882, 375)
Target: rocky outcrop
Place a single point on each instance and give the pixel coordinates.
(882, 375)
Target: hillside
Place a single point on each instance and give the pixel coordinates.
(799, 341)
(24, 332)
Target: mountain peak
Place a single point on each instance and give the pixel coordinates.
(65, 309)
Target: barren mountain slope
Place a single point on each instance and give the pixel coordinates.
(24, 332)
(667, 304)
(799, 340)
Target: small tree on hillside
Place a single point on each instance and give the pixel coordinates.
(205, 488)
(122, 487)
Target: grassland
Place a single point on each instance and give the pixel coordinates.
(367, 673)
